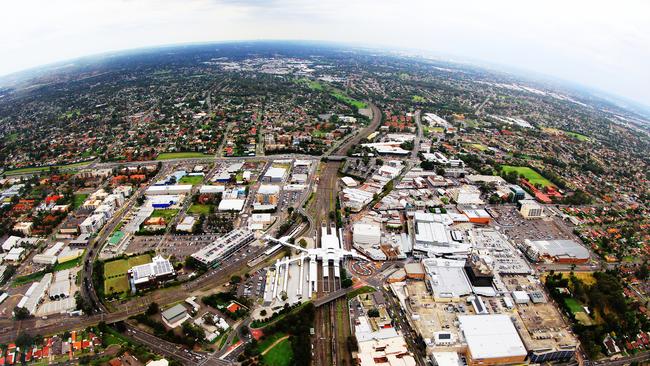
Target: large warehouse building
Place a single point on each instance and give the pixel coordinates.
(560, 251)
(491, 340)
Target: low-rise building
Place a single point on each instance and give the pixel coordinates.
(175, 316)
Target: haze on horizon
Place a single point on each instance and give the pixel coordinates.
(595, 43)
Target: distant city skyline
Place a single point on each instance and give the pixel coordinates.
(592, 43)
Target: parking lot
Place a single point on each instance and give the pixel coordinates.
(519, 229)
(253, 286)
(178, 245)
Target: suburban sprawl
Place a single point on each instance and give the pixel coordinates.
(300, 204)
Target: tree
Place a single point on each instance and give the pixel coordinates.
(21, 313)
(263, 312)
(373, 313)
(153, 309)
(302, 242)
(235, 279)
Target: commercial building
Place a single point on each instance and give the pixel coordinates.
(366, 233)
(210, 189)
(491, 340)
(169, 190)
(16, 254)
(446, 278)
(35, 294)
(560, 251)
(349, 182)
(187, 225)
(150, 274)
(466, 195)
(222, 248)
(414, 271)
(14, 241)
(267, 194)
(530, 209)
(275, 175)
(478, 216)
(234, 204)
(50, 255)
(175, 316)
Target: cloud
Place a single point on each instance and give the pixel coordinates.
(592, 42)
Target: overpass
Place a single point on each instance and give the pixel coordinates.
(332, 296)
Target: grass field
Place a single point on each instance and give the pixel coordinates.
(191, 179)
(167, 214)
(67, 265)
(359, 291)
(199, 209)
(342, 97)
(418, 99)
(280, 355)
(116, 285)
(573, 305)
(268, 341)
(578, 136)
(180, 155)
(479, 147)
(46, 168)
(311, 84)
(18, 281)
(528, 173)
(79, 200)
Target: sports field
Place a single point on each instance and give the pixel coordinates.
(180, 155)
(115, 280)
(528, 173)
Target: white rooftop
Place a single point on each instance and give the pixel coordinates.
(491, 336)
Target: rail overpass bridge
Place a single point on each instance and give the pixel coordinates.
(332, 296)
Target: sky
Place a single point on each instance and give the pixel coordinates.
(600, 44)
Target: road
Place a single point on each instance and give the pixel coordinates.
(418, 136)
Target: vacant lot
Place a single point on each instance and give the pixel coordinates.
(115, 280)
(528, 173)
(181, 155)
